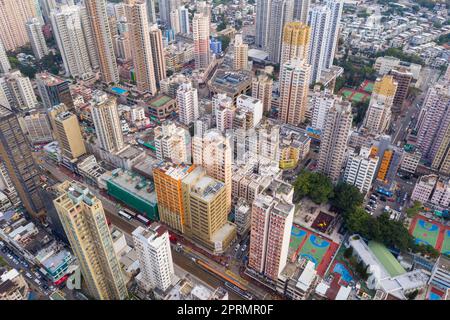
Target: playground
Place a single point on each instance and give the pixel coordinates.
(310, 245)
(354, 95)
(435, 294)
(322, 222)
(367, 86)
(343, 271)
(431, 232)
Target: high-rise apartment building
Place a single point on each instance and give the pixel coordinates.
(16, 157)
(151, 12)
(201, 32)
(321, 102)
(173, 143)
(433, 136)
(271, 224)
(262, 22)
(74, 37)
(403, 77)
(240, 61)
(187, 100)
(13, 17)
(295, 42)
(84, 222)
(107, 122)
(262, 86)
(16, 91)
(335, 7)
(68, 133)
(37, 126)
(301, 8)
(168, 179)
(213, 152)
(175, 21)
(324, 20)
(378, 115)
(36, 37)
(98, 17)
(294, 86)
(136, 11)
(223, 110)
(155, 258)
(53, 90)
(5, 66)
(319, 21)
(184, 20)
(159, 61)
(333, 140)
(281, 13)
(360, 169)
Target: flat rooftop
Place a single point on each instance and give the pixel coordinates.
(135, 184)
(160, 101)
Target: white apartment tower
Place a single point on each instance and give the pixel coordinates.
(73, 36)
(173, 143)
(321, 102)
(333, 140)
(5, 66)
(360, 169)
(155, 257)
(36, 37)
(107, 122)
(17, 91)
(262, 22)
(319, 21)
(281, 12)
(223, 109)
(187, 101)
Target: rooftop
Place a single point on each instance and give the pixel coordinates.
(135, 184)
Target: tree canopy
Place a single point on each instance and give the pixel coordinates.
(346, 198)
(316, 186)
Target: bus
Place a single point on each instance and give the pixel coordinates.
(239, 291)
(143, 219)
(125, 215)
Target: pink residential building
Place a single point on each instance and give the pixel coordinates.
(271, 224)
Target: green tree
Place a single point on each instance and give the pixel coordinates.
(348, 252)
(414, 209)
(225, 42)
(315, 186)
(346, 198)
(361, 109)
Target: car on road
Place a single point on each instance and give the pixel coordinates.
(383, 199)
(37, 281)
(237, 247)
(28, 275)
(244, 247)
(37, 275)
(2, 243)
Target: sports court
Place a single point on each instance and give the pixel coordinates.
(367, 86)
(431, 232)
(310, 245)
(354, 95)
(445, 249)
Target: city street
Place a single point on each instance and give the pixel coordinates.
(111, 213)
